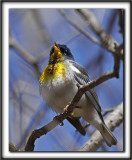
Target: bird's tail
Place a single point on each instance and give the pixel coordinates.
(77, 124)
(108, 136)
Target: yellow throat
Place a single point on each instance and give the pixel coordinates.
(55, 67)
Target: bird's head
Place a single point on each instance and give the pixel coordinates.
(59, 53)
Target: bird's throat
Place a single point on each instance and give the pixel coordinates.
(56, 57)
(53, 71)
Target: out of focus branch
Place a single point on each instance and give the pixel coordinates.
(107, 40)
(41, 27)
(69, 109)
(79, 28)
(12, 148)
(97, 61)
(13, 43)
(66, 39)
(112, 121)
(104, 114)
(27, 56)
(107, 111)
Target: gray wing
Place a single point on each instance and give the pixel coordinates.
(83, 78)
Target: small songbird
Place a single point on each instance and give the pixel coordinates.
(58, 86)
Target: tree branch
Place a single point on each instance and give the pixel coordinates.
(104, 114)
(12, 148)
(46, 52)
(112, 121)
(57, 120)
(107, 40)
(27, 56)
(79, 28)
(107, 111)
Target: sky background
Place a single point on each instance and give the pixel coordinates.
(35, 31)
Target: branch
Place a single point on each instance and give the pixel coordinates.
(79, 28)
(13, 43)
(12, 148)
(112, 121)
(107, 40)
(57, 120)
(66, 39)
(27, 56)
(104, 114)
(41, 26)
(107, 111)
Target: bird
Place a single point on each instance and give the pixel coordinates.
(58, 86)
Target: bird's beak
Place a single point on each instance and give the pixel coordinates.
(56, 56)
(56, 48)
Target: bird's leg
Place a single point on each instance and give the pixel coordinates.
(66, 108)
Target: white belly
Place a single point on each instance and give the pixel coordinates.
(57, 94)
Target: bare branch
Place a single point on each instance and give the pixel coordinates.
(46, 52)
(13, 43)
(27, 56)
(12, 148)
(112, 121)
(37, 133)
(79, 28)
(107, 111)
(91, 20)
(107, 40)
(41, 27)
(104, 114)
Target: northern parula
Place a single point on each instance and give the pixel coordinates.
(58, 86)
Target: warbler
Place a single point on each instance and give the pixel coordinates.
(58, 86)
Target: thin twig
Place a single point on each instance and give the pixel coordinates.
(107, 111)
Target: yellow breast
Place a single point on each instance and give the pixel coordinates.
(53, 71)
